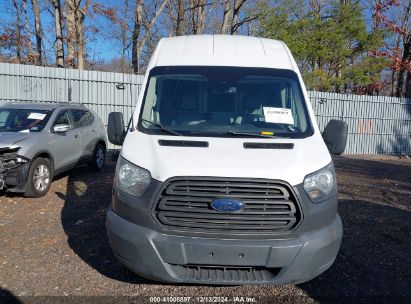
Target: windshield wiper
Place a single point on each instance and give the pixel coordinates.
(234, 133)
(251, 134)
(161, 127)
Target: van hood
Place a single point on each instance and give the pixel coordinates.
(8, 139)
(226, 157)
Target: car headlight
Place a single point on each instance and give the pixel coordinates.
(321, 184)
(131, 178)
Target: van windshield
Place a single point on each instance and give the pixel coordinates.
(224, 101)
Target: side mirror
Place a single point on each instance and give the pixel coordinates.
(115, 128)
(335, 136)
(61, 128)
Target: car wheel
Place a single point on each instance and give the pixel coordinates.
(99, 157)
(40, 178)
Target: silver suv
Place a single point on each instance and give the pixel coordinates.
(39, 141)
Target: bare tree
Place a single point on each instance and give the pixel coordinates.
(75, 15)
(81, 45)
(408, 85)
(198, 15)
(59, 47)
(38, 30)
(175, 22)
(227, 17)
(143, 21)
(316, 6)
(27, 28)
(181, 17)
(71, 32)
(234, 23)
(170, 22)
(237, 22)
(404, 75)
(231, 16)
(138, 23)
(124, 28)
(18, 30)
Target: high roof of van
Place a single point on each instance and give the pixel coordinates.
(222, 50)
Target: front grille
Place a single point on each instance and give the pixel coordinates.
(224, 273)
(185, 204)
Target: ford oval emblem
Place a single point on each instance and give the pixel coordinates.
(227, 205)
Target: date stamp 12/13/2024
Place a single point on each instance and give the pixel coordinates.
(203, 299)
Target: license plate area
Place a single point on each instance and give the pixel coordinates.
(226, 255)
(222, 253)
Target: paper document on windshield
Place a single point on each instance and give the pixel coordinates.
(39, 116)
(278, 115)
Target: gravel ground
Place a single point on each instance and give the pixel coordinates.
(55, 249)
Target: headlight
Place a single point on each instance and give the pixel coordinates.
(321, 184)
(21, 159)
(131, 178)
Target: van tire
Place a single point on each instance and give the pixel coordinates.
(99, 157)
(40, 178)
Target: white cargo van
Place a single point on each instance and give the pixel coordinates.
(224, 176)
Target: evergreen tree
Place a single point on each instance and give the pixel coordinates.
(331, 43)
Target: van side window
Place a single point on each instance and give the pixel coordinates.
(82, 118)
(63, 118)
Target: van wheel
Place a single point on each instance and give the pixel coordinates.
(99, 157)
(40, 178)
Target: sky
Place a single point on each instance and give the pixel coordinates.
(99, 47)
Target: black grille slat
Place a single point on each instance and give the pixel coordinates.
(203, 205)
(224, 273)
(183, 200)
(232, 195)
(228, 184)
(222, 190)
(217, 226)
(219, 215)
(185, 203)
(246, 211)
(186, 200)
(233, 224)
(206, 211)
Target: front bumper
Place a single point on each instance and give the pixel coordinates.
(188, 259)
(14, 180)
